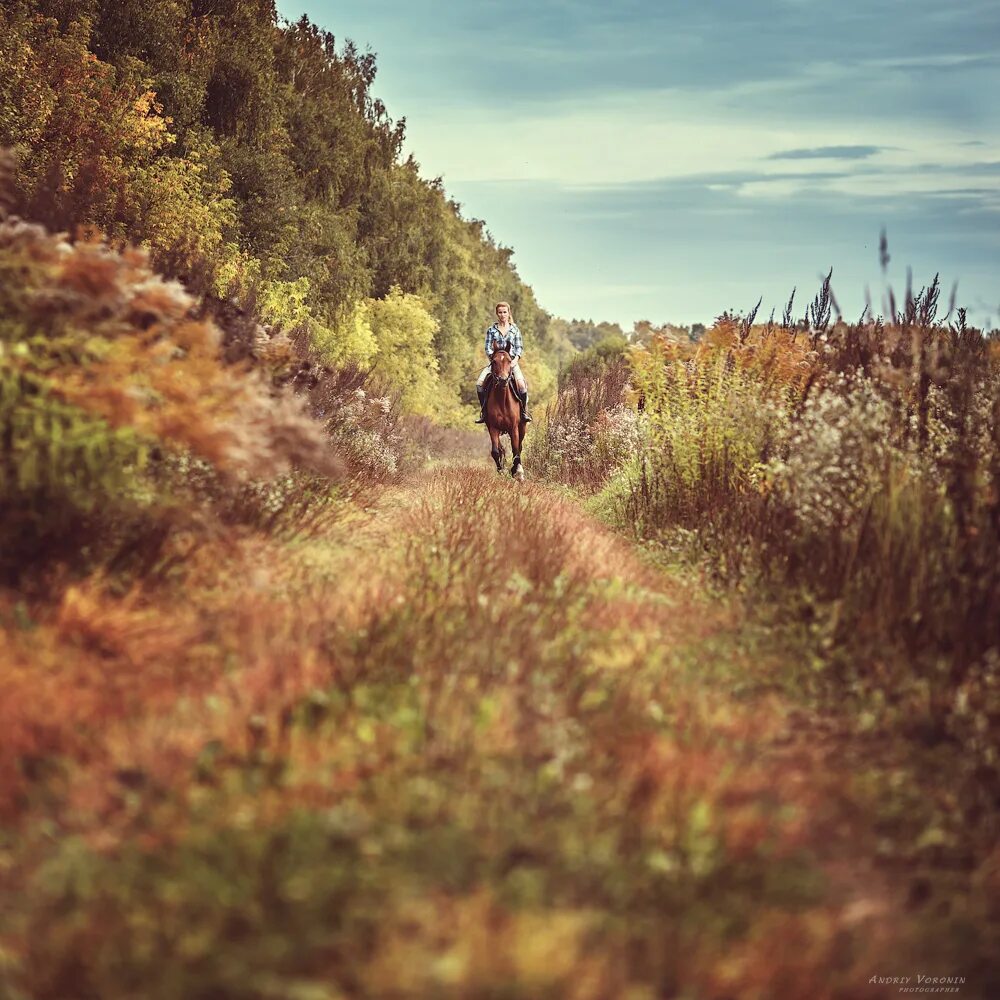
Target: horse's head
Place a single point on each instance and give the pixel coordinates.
(500, 364)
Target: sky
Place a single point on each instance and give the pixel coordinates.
(668, 161)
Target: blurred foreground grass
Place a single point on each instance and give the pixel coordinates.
(464, 743)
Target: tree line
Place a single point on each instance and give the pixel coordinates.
(252, 158)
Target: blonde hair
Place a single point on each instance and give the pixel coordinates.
(510, 312)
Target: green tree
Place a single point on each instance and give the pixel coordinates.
(404, 330)
(253, 158)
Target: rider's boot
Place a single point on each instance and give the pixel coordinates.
(481, 393)
(525, 415)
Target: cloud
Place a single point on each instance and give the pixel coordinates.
(677, 249)
(935, 61)
(829, 153)
(637, 138)
(651, 157)
(493, 54)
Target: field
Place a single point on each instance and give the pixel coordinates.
(299, 700)
(464, 741)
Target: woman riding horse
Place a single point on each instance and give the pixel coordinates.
(503, 411)
(503, 400)
(504, 332)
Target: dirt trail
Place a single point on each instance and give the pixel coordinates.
(682, 740)
(512, 758)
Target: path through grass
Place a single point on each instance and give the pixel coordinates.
(465, 743)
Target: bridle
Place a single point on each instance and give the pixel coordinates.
(498, 380)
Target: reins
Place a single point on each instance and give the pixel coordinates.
(497, 380)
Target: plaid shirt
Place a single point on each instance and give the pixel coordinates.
(495, 339)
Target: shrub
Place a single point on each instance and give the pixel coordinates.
(854, 473)
(711, 425)
(837, 451)
(903, 536)
(585, 430)
(848, 473)
(102, 368)
(596, 359)
(404, 331)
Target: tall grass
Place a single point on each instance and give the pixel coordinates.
(587, 430)
(489, 768)
(852, 473)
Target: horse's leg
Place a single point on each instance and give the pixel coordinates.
(515, 448)
(495, 450)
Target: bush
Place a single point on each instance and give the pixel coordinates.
(596, 359)
(848, 473)
(902, 536)
(102, 370)
(854, 473)
(711, 424)
(586, 430)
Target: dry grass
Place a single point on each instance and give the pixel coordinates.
(463, 743)
(575, 443)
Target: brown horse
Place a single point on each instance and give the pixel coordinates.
(503, 413)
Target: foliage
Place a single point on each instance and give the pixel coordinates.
(351, 341)
(404, 330)
(185, 218)
(101, 367)
(251, 157)
(590, 363)
(341, 774)
(93, 144)
(848, 476)
(584, 429)
(710, 426)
